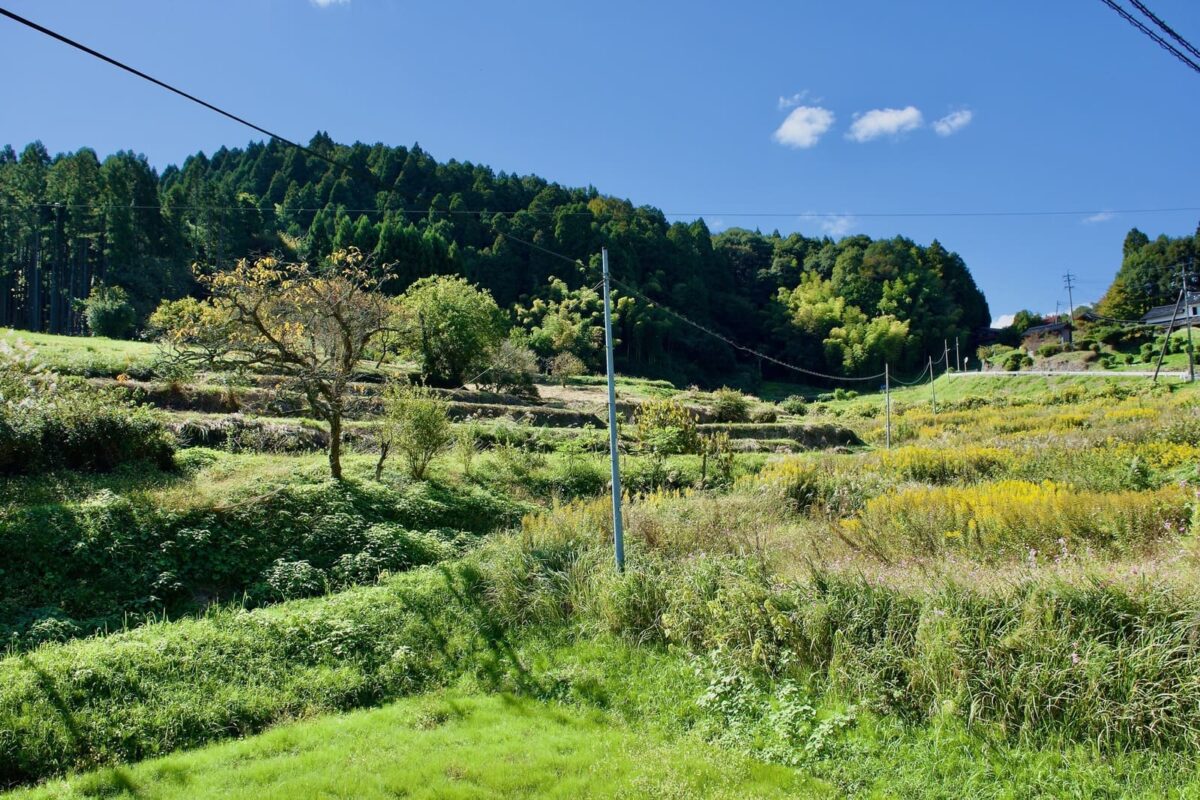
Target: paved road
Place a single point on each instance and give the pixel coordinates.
(1064, 373)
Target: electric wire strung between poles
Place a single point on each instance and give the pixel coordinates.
(751, 351)
(1160, 41)
(480, 212)
(1167, 29)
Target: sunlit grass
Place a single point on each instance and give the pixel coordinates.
(447, 746)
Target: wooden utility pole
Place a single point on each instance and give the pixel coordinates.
(932, 388)
(1167, 338)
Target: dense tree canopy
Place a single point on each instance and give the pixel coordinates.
(73, 221)
(1149, 274)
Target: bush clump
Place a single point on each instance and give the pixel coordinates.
(795, 404)
(110, 560)
(730, 405)
(49, 422)
(108, 312)
(764, 416)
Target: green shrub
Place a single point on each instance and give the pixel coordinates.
(108, 312)
(50, 422)
(111, 559)
(664, 427)
(513, 368)
(1049, 349)
(565, 366)
(417, 424)
(795, 404)
(764, 416)
(730, 405)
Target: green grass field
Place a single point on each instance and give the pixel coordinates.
(1001, 605)
(446, 746)
(89, 356)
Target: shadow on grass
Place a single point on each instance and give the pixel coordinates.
(497, 657)
(105, 783)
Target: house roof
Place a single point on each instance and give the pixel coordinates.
(1157, 312)
(1164, 313)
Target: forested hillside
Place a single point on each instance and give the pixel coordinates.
(1149, 274)
(73, 222)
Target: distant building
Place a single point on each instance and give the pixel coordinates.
(986, 336)
(1161, 315)
(1050, 333)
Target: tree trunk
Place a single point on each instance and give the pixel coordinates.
(335, 445)
(384, 447)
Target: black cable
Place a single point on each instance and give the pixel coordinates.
(1163, 43)
(693, 214)
(915, 380)
(163, 84)
(737, 346)
(1140, 6)
(547, 251)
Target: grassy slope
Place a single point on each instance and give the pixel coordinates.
(444, 746)
(626, 721)
(79, 355)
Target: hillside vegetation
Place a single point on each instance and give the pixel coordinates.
(114, 232)
(1001, 604)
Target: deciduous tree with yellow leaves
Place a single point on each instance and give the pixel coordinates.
(312, 324)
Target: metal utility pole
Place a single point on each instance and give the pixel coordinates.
(957, 356)
(887, 404)
(932, 388)
(618, 527)
(1069, 279)
(946, 353)
(1187, 315)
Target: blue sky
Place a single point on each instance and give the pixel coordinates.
(726, 110)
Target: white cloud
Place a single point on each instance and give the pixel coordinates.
(953, 122)
(837, 225)
(797, 99)
(804, 126)
(328, 3)
(1003, 321)
(1100, 216)
(715, 224)
(884, 122)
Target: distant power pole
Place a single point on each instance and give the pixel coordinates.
(932, 388)
(1069, 280)
(1180, 302)
(887, 402)
(618, 530)
(1187, 315)
(957, 356)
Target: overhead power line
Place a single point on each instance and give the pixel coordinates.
(1140, 6)
(370, 176)
(1141, 26)
(749, 350)
(188, 96)
(692, 214)
(477, 212)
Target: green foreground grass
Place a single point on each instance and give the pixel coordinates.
(598, 717)
(445, 745)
